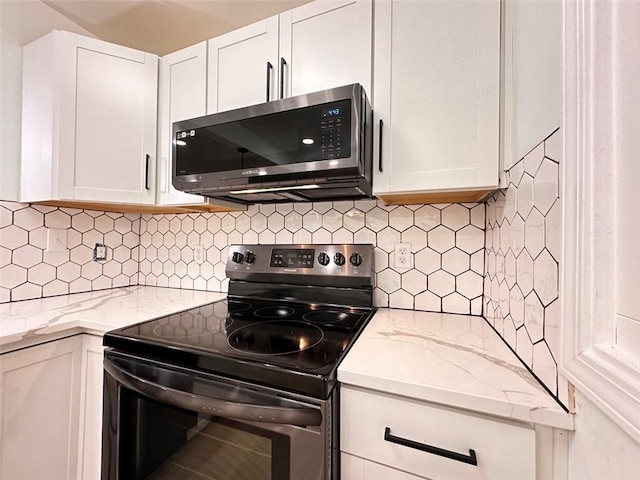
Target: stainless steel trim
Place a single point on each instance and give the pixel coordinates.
(215, 406)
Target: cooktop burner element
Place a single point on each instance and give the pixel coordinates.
(331, 316)
(191, 324)
(275, 338)
(273, 312)
(289, 318)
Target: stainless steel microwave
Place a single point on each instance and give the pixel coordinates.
(311, 147)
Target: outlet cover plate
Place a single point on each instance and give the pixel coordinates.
(402, 256)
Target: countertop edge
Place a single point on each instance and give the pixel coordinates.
(456, 399)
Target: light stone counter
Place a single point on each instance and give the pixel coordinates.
(31, 322)
(453, 360)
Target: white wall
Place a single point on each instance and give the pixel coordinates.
(598, 448)
(21, 22)
(627, 192)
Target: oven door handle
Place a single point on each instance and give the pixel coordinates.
(303, 417)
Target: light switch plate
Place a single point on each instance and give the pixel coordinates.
(56, 240)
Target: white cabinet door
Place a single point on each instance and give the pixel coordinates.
(182, 95)
(90, 438)
(243, 66)
(326, 44)
(39, 400)
(437, 71)
(533, 75)
(89, 121)
(320, 45)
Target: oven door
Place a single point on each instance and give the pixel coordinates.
(162, 422)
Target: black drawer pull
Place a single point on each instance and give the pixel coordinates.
(460, 457)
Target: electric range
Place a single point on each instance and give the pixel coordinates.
(264, 360)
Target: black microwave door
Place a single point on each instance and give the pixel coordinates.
(307, 134)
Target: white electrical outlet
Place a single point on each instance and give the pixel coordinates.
(198, 254)
(402, 255)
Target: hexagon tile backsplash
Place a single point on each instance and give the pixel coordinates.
(449, 261)
(447, 247)
(522, 259)
(28, 270)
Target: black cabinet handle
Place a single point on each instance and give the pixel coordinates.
(146, 173)
(380, 147)
(460, 457)
(269, 68)
(283, 63)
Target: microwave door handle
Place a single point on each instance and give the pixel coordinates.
(303, 417)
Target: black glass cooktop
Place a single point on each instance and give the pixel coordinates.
(281, 344)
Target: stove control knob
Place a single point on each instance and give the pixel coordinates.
(250, 257)
(355, 259)
(237, 257)
(338, 258)
(323, 259)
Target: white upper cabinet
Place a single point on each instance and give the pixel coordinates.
(532, 75)
(326, 44)
(437, 89)
(182, 95)
(320, 45)
(89, 121)
(243, 66)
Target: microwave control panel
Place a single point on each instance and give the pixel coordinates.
(332, 129)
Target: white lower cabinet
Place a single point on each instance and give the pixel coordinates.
(383, 436)
(91, 408)
(51, 410)
(355, 468)
(39, 405)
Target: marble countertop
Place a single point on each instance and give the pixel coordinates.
(29, 322)
(454, 360)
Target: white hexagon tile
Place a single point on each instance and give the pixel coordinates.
(28, 270)
(447, 243)
(522, 260)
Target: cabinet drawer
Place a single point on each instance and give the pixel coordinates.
(356, 468)
(502, 450)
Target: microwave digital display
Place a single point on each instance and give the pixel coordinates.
(331, 112)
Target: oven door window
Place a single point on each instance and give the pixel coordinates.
(164, 442)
